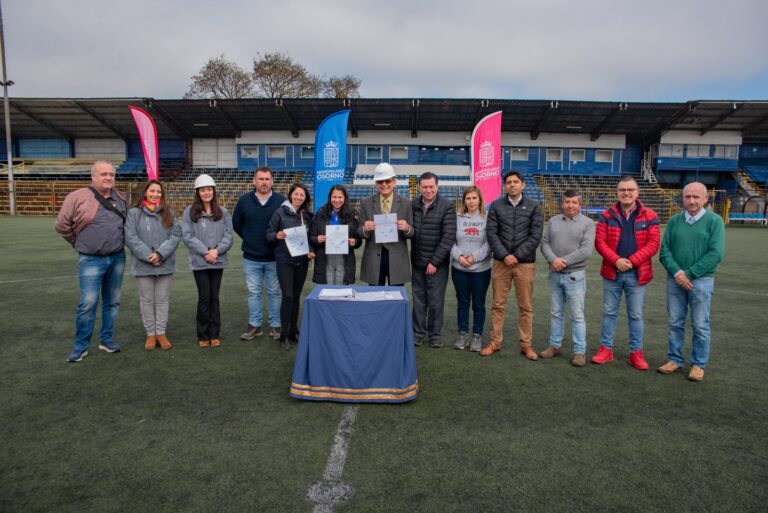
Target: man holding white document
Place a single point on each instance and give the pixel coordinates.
(386, 222)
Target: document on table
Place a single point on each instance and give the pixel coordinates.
(296, 240)
(337, 294)
(379, 295)
(386, 228)
(337, 239)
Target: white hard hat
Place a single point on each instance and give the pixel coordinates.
(383, 171)
(204, 181)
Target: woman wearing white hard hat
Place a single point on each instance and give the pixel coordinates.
(207, 233)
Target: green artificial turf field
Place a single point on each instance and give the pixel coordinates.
(205, 430)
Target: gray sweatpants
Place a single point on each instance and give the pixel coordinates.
(154, 299)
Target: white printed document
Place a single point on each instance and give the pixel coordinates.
(386, 228)
(336, 294)
(296, 240)
(337, 239)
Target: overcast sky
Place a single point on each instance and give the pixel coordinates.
(651, 50)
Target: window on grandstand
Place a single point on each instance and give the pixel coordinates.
(576, 155)
(554, 155)
(519, 154)
(373, 152)
(398, 153)
(307, 152)
(698, 151)
(604, 155)
(726, 152)
(670, 150)
(276, 152)
(249, 152)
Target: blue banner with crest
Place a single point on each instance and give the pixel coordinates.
(330, 155)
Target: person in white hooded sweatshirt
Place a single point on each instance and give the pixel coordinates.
(471, 268)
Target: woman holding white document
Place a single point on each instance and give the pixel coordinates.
(335, 262)
(293, 251)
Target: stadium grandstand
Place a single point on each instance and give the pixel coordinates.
(556, 144)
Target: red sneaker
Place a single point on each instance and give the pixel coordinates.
(603, 355)
(637, 360)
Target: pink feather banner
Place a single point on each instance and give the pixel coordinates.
(148, 136)
(486, 156)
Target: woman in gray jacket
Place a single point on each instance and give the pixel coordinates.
(152, 234)
(207, 233)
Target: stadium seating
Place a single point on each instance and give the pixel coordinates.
(48, 168)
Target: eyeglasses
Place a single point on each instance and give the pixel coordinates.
(385, 182)
(626, 190)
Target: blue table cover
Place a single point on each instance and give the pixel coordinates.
(355, 351)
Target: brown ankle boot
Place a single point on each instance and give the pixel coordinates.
(164, 342)
(150, 343)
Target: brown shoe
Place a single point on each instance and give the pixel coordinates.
(491, 348)
(215, 342)
(150, 343)
(164, 342)
(252, 332)
(529, 353)
(669, 368)
(578, 360)
(203, 343)
(696, 374)
(550, 352)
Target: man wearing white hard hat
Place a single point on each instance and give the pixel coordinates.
(385, 262)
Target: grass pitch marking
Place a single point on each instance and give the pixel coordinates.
(331, 490)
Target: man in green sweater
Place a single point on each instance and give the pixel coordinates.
(693, 246)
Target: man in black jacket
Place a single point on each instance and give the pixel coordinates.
(250, 219)
(434, 224)
(515, 226)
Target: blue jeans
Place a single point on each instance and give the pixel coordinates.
(257, 273)
(635, 293)
(471, 287)
(568, 288)
(678, 302)
(98, 274)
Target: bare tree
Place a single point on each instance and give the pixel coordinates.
(276, 75)
(347, 86)
(221, 79)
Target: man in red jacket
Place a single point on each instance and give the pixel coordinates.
(627, 238)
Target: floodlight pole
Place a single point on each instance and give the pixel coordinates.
(6, 111)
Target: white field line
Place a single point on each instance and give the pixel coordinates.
(331, 490)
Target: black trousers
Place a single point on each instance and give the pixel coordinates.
(208, 313)
(384, 275)
(291, 278)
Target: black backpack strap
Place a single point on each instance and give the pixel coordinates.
(106, 204)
